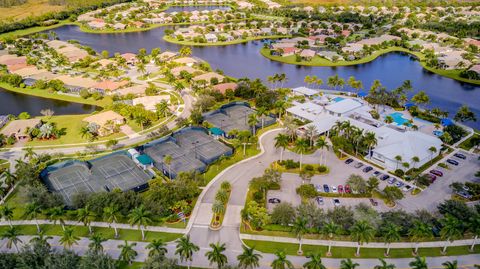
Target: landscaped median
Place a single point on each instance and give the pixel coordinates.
(219, 207)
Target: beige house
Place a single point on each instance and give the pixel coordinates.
(149, 102)
(19, 128)
(208, 77)
(186, 61)
(107, 121)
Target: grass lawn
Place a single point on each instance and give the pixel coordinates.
(347, 252)
(220, 43)
(109, 233)
(63, 97)
(4, 164)
(30, 8)
(467, 144)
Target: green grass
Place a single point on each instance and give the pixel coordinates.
(105, 101)
(319, 61)
(72, 124)
(109, 233)
(467, 144)
(348, 252)
(220, 43)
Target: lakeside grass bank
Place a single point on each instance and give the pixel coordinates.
(221, 43)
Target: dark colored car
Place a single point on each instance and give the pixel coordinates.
(274, 201)
(376, 173)
(373, 202)
(384, 177)
(319, 200)
(367, 169)
(349, 161)
(347, 189)
(326, 188)
(340, 189)
(358, 165)
(450, 161)
(431, 177)
(460, 156)
(336, 202)
(436, 172)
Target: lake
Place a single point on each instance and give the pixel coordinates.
(245, 60)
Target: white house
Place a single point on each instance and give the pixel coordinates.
(343, 107)
(304, 91)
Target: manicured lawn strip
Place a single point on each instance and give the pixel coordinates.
(36, 29)
(347, 252)
(63, 97)
(220, 43)
(283, 169)
(319, 61)
(82, 231)
(467, 145)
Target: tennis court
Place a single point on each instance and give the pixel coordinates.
(203, 146)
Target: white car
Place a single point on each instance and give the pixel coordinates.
(334, 189)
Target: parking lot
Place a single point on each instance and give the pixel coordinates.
(440, 190)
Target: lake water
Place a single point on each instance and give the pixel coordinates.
(15, 103)
(244, 60)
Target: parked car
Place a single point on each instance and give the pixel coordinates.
(319, 200)
(407, 188)
(376, 173)
(349, 161)
(340, 189)
(326, 188)
(436, 172)
(450, 161)
(399, 184)
(391, 180)
(373, 202)
(384, 177)
(358, 165)
(318, 188)
(431, 177)
(464, 194)
(347, 189)
(334, 189)
(336, 202)
(274, 201)
(460, 156)
(367, 169)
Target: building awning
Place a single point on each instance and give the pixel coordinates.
(144, 159)
(216, 131)
(446, 122)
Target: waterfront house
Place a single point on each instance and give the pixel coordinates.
(208, 77)
(19, 128)
(223, 87)
(107, 121)
(211, 38)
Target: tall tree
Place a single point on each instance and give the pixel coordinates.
(215, 255)
(7, 213)
(248, 259)
(348, 264)
(127, 253)
(185, 249)
(301, 146)
(111, 214)
(452, 229)
(420, 231)
(465, 114)
(141, 217)
(95, 244)
(384, 265)
(299, 229)
(12, 235)
(281, 261)
(315, 262)
(157, 247)
(281, 141)
(391, 233)
(32, 210)
(362, 232)
(419, 263)
(68, 238)
(85, 216)
(330, 230)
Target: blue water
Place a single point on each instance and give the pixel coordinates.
(399, 119)
(338, 99)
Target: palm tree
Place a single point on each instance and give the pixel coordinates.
(420, 231)
(41, 239)
(362, 232)
(12, 234)
(7, 213)
(248, 259)
(398, 158)
(157, 247)
(384, 265)
(322, 144)
(216, 254)
(185, 249)
(281, 261)
(32, 210)
(391, 233)
(451, 230)
(419, 263)
(301, 146)
(128, 253)
(348, 264)
(85, 216)
(450, 265)
(311, 132)
(141, 217)
(370, 140)
(252, 121)
(111, 215)
(330, 230)
(432, 150)
(218, 208)
(315, 262)
(299, 229)
(281, 141)
(415, 160)
(57, 214)
(95, 244)
(474, 227)
(168, 161)
(68, 239)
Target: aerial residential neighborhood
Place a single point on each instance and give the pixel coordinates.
(239, 134)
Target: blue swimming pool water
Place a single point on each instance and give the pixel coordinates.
(398, 118)
(338, 99)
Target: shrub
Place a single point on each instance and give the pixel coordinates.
(307, 191)
(290, 164)
(399, 173)
(322, 169)
(308, 167)
(258, 196)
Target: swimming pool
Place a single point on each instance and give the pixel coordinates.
(399, 119)
(338, 99)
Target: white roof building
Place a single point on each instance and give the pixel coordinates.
(304, 91)
(306, 111)
(342, 107)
